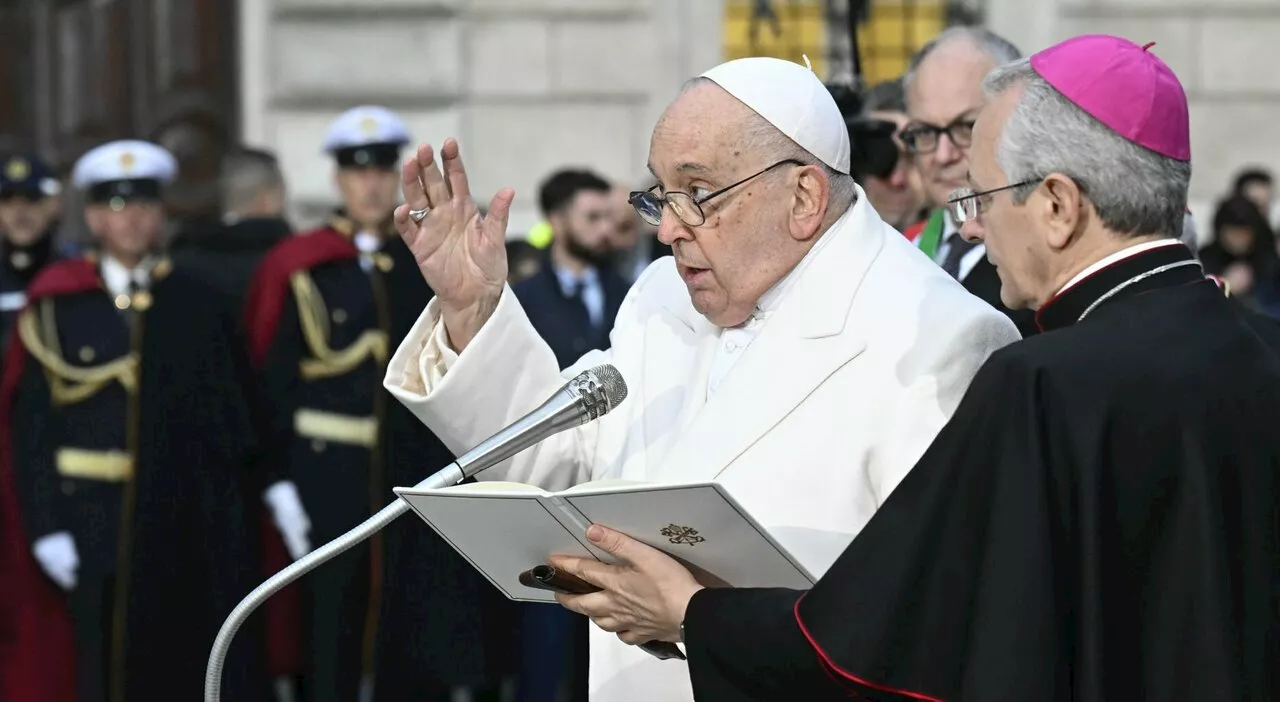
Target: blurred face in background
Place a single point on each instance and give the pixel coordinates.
(585, 229)
(1236, 240)
(128, 230)
(899, 197)
(368, 194)
(24, 218)
(1260, 192)
(627, 225)
(943, 101)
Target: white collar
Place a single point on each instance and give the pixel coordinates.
(116, 277)
(1116, 258)
(366, 242)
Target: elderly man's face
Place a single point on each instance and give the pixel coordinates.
(1016, 243)
(745, 245)
(946, 93)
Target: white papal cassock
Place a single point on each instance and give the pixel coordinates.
(856, 361)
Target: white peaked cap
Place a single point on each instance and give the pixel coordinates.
(127, 159)
(364, 125)
(793, 99)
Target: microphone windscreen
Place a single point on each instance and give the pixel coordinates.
(615, 388)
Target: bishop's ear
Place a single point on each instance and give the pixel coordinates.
(1062, 208)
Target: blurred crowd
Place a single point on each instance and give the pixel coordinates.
(307, 321)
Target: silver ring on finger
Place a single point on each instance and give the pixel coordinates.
(419, 215)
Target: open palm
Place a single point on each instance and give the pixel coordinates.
(461, 253)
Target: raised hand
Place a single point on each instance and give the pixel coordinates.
(461, 254)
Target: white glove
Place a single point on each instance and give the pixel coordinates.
(57, 555)
(289, 516)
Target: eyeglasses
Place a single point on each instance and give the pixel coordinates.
(966, 204)
(649, 204)
(921, 138)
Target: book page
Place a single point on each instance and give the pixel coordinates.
(501, 535)
(610, 485)
(495, 488)
(703, 527)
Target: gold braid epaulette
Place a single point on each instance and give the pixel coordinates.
(314, 318)
(70, 384)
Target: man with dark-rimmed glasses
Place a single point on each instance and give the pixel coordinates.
(944, 92)
(797, 350)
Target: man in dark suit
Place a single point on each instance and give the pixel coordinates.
(944, 92)
(574, 298)
(572, 302)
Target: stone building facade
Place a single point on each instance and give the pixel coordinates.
(525, 85)
(529, 85)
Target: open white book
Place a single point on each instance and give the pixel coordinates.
(504, 529)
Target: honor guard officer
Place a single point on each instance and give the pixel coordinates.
(322, 311)
(126, 415)
(28, 218)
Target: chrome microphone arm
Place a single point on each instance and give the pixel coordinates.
(590, 395)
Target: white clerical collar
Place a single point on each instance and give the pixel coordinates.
(116, 277)
(773, 297)
(1116, 258)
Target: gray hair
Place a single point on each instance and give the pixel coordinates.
(1134, 190)
(759, 135)
(1190, 235)
(1000, 50)
(887, 96)
(244, 174)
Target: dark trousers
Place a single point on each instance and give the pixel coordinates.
(551, 655)
(337, 603)
(91, 604)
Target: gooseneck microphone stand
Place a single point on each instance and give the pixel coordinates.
(590, 395)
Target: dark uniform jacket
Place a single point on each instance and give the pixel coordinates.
(19, 265)
(126, 424)
(321, 319)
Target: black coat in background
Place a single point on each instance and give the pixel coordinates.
(19, 265)
(1098, 521)
(563, 322)
(174, 539)
(228, 254)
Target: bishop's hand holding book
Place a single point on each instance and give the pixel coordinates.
(517, 535)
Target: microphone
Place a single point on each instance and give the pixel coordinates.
(588, 396)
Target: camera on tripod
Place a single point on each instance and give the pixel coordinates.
(873, 150)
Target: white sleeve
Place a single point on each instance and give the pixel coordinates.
(504, 373)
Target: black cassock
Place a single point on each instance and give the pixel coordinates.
(402, 606)
(129, 430)
(1098, 521)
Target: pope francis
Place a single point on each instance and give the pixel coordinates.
(796, 348)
